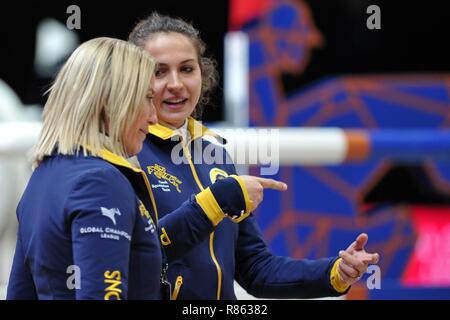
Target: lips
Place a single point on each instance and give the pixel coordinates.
(175, 103)
(143, 131)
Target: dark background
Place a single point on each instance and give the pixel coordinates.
(413, 37)
(100, 18)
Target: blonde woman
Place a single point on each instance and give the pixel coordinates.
(79, 219)
(88, 226)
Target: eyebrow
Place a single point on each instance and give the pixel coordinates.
(184, 61)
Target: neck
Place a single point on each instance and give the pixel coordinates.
(165, 124)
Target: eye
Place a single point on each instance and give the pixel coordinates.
(187, 69)
(159, 72)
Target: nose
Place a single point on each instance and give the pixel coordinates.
(174, 82)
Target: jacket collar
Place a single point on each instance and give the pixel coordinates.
(195, 128)
(106, 155)
(117, 160)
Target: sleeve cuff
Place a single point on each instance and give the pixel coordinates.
(226, 197)
(208, 203)
(248, 205)
(246, 211)
(338, 284)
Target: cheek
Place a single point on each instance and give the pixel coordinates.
(145, 113)
(195, 85)
(126, 138)
(133, 131)
(159, 88)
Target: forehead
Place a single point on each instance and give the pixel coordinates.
(170, 47)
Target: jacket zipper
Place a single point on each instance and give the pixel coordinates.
(150, 193)
(211, 238)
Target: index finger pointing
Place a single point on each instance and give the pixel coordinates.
(272, 184)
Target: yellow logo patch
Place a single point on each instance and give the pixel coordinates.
(143, 210)
(161, 173)
(164, 237)
(146, 214)
(113, 280)
(217, 173)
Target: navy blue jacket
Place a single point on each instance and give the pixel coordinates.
(88, 229)
(232, 251)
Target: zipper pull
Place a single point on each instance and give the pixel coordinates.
(176, 290)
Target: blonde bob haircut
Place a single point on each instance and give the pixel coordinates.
(95, 97)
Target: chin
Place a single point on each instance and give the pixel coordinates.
(138, 149)
(134, 151)
(172, 117)
(174, 121)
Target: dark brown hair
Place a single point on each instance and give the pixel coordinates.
(157, 23)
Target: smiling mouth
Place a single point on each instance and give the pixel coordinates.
(175, 102)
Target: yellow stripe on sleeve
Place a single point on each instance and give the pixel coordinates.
(210, 206)
(338, 284)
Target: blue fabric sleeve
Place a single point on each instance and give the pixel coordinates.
(188, 225)
(229, 196)
(20, 285)
(264, 275)
(184, 227)
(103, 209)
